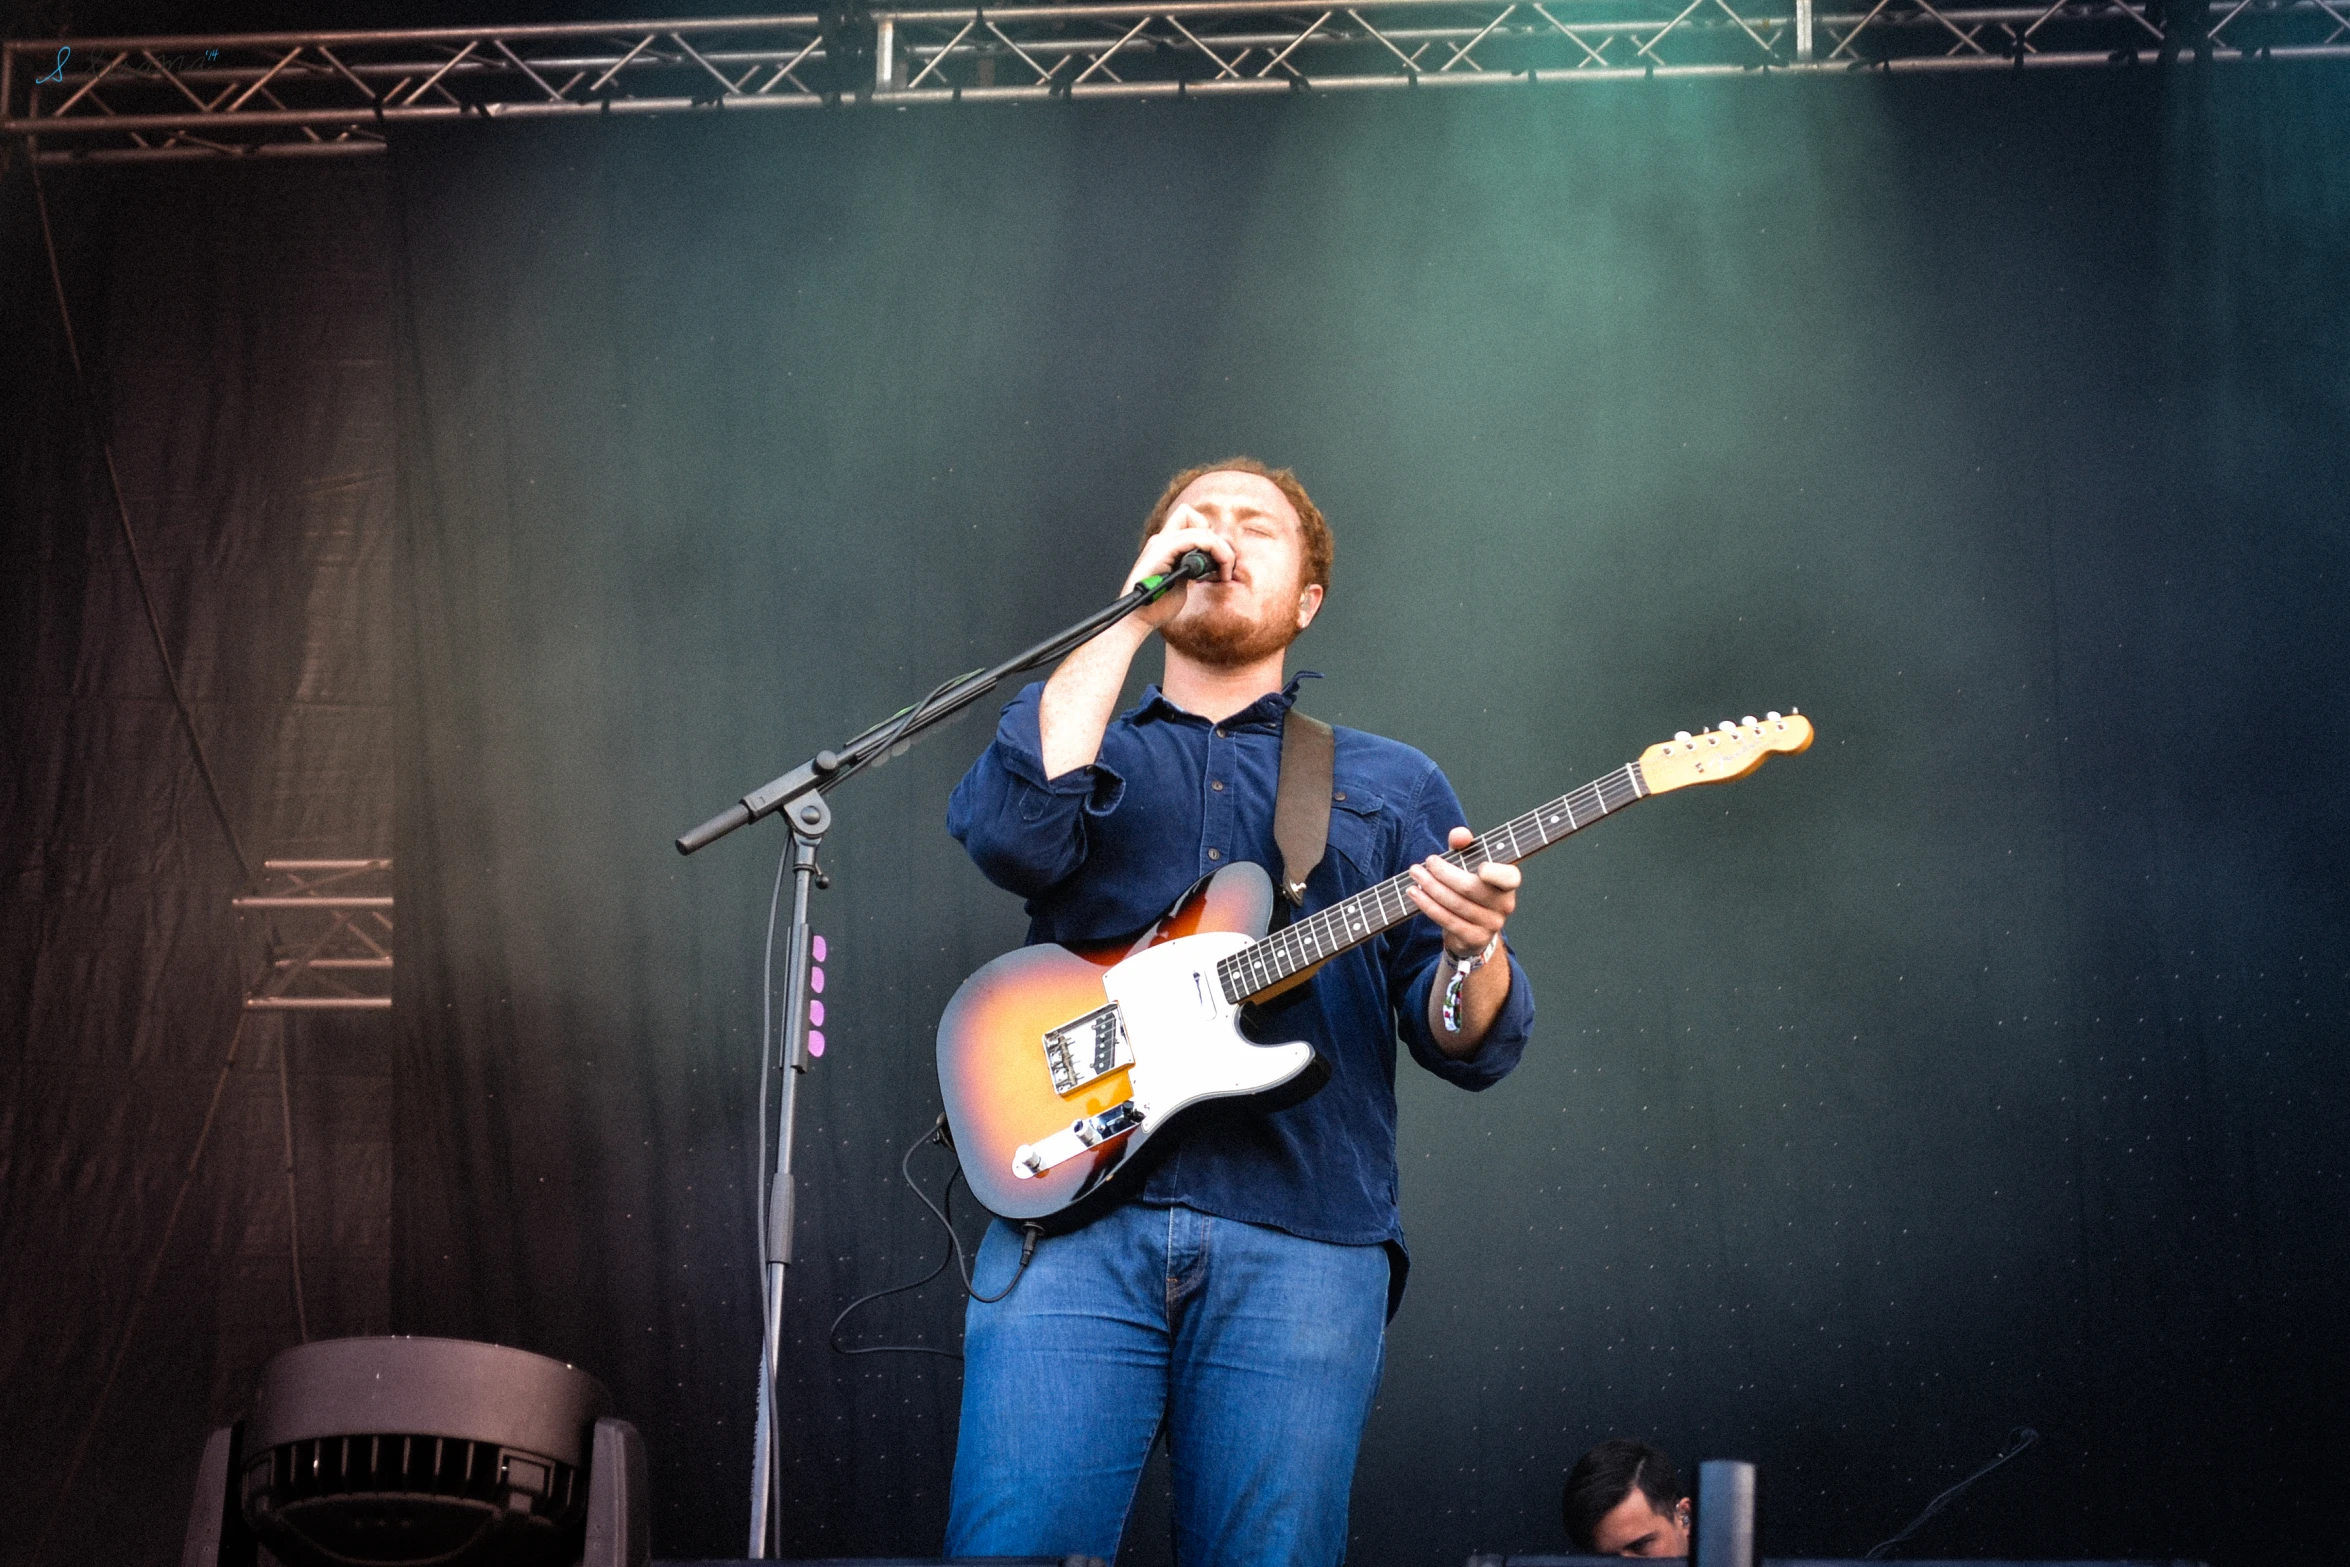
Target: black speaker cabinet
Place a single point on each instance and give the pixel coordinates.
(422, 1452)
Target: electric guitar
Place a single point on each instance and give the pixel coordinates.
(1058, 1066)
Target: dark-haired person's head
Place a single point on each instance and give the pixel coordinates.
(1624, 1498)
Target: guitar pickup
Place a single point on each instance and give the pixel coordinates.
(1086, 1048)
(1031, 1160)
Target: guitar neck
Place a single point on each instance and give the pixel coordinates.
(1324, 934)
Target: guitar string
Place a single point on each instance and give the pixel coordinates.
(1325, 924)
(1276, 957)
(1504, 843)
(1280, 956)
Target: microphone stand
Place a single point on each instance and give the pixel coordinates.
(799, 794)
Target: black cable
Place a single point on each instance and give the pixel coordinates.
(220, 813)
(891, 730)
(1031, 1234)
(2017, 1440)
(130, 542)
(905, 1173)
(907, 718)
(896, 725)
(762, 1190)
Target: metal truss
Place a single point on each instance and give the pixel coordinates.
(329, 933)
(280, 94)
(307, 94)
(1237, 46)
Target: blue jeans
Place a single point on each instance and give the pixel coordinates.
(1258, 1351)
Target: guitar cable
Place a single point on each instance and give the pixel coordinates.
(941, 1136)
(759, 1185)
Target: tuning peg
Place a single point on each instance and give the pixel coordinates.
(1770, 718)
(1680, 734)
(1748, 719)
(1728, 726)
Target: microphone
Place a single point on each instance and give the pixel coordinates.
(1194, 566)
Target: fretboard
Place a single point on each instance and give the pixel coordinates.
(1325, 933)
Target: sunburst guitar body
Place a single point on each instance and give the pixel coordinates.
(1047, 1040)
(1059, 1066)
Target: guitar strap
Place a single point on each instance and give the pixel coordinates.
(1301, 803)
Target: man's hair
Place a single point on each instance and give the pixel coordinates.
(1603, 1477)
(1320, 548)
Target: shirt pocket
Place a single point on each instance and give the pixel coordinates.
(1360, 830)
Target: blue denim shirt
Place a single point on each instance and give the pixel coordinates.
(1102, 851)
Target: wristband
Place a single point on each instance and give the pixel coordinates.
(1462, 968)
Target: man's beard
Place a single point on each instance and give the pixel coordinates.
(1223, 638)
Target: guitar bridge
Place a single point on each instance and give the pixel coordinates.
(1086, 1048)
(1031, 1160)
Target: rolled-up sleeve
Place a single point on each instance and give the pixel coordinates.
(1028, 833)
(1419, 950)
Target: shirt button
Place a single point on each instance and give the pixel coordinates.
(1217, 784)
(1215, 854)
(1222, 733)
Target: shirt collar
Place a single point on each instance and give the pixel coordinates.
(1266, 711)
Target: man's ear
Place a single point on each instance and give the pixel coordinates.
(1309, 604)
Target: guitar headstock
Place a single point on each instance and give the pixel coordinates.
(1719, 755)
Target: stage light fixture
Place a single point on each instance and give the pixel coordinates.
(422, 1452)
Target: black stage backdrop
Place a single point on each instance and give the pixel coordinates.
(1980, 1068)
(240, 346)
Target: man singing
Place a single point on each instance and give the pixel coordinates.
(1239, 1295)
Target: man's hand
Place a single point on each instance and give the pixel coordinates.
(1469, 907)
(1079, 698)
(1184, 532)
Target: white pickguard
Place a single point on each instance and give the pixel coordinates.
(1186, 1040)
